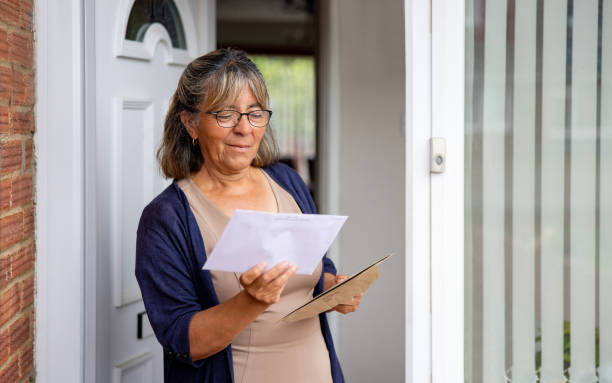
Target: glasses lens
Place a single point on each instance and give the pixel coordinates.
(227, 118)
(259, 118)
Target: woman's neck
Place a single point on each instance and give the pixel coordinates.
(211, 179)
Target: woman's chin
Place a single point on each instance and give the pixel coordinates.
(239, 163)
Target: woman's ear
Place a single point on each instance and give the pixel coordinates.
(189, 123)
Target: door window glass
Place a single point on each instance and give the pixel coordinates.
(146, 12)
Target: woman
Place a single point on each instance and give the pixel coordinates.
(219, 326)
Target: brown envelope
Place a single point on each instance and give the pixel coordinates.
(342, 293)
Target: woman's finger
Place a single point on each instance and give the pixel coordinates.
(349, 307)
(269, 286)
(341, 278)
(272, 274)
(345, 309)
(282, 279)
(252, 274)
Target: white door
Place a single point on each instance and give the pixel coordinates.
(521, 220)
(141, 48)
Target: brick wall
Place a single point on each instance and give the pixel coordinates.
(17, 172)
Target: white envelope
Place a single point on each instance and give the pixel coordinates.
(252, 237)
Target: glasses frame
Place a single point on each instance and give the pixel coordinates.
(216, 114)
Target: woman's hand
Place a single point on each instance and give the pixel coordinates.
(213, 329)
(329, 281)
(266, 287)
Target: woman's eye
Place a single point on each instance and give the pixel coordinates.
(257, 114)
(225, 115)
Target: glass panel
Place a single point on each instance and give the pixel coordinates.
(146, 12)
(538, 168)
(291, 84)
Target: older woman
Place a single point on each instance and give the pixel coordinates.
(218, 326)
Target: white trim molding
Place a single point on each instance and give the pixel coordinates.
(156, 35)
(447, 242)
(59, 191)
(418, 132)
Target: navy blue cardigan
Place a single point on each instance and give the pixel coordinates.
(169, 258)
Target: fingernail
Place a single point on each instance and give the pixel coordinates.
(261, 266)
(294, 268)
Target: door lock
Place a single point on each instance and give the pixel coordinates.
(438, 155)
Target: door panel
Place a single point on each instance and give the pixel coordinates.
(141, 50)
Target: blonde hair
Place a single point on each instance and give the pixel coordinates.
(208, 82)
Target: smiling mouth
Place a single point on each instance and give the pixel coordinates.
(242, 148)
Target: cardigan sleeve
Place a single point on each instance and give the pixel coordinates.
(166, 280)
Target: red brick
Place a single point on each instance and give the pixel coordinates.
(28, 153)
(5, 194)
(27, 82)
(22, 122)
(25, 15)
(6, 81)
(28, 223)
(4, 346)
(20, 332)
(5, 272)
(22, 88)
(27, 292)
(9, 11)
(21, 190)
(5, 126)
(10, 372)
(20, 49)
(9, 304)
(21, 262)
(11, 230)
(26, 359)
(10, 156)
(18, 91)
(4, 45)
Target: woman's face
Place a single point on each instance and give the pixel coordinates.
(231, 149)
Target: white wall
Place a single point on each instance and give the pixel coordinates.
(363, 169)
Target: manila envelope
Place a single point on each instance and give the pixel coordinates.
(341, 293)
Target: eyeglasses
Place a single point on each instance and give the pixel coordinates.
(231, 118)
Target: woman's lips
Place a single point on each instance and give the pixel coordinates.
(240, 148)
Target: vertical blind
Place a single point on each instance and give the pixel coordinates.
(538, 168)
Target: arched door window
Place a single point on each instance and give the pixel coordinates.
(146, 12)
(147, 24)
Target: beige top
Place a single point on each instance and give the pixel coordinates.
(267, 350)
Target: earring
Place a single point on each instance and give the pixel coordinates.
(193, 141)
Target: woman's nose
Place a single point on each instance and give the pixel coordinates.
(243, 126)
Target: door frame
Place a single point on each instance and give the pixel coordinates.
(434, 48)
(418, 121)
(447, 191)
(60, 190)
